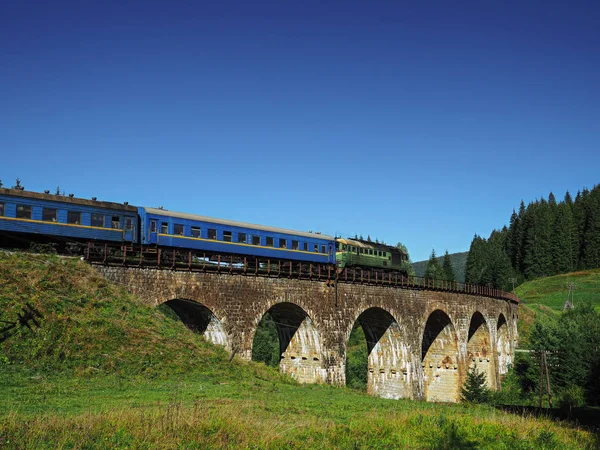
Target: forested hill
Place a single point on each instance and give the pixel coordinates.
(458, 260)
(544, 238)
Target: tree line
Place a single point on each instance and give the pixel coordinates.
(544, 238)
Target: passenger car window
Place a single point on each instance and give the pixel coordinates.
(1, 209)
(323, 249)
(255, 240)
(74, 217)
(98, 221)
(164, 228)
(227, 236)
(153, 226)
(270, 242)
(212, 233)
(294, 245)
(115, 222)
(242, 238)
(316, 248)
(23, 212)
(49, 214)
(282, 243)
(128, 224)
(196, 232)
(305, 245)
(178, 229)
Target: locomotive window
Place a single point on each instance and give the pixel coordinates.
(164, 228)
(227, 236)
(305, 246)
(270, 242)
(294, 245)
(242, 238)
(153, 226)
(1, 209)
(115, 222)
(74, 217)
(255, 240)
(212, 233)
(98, 221)
(128, 224)
(282, 243)
(23, 212)
(323, 249)
(49, 214)
(196, 232)
(178, 229)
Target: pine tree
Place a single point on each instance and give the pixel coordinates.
(561, 244)
(475, 389)
(499, 269)
(591, 232)
(477, 271)
(447, 269)
(433, 270)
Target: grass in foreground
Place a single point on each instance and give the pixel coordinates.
(105, 371)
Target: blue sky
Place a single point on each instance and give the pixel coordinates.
(420, 122)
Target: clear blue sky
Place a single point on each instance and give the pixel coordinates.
(420, 122)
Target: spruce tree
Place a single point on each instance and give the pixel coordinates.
(475, 389)
(591, 232)
(433, 270)
(477, 261)
(498, 269)
(447, 269)
(561, 244)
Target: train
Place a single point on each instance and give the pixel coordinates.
(66, 220)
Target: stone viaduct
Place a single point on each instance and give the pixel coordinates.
(421, 342)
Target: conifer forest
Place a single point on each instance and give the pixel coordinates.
(544, 238)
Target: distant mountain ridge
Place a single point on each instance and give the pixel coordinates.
(458, 260)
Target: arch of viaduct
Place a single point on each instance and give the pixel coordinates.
(421, 343)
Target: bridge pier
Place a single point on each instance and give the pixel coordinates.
(420, 341)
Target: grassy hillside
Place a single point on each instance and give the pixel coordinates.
(459, 263)
(105, 371)
(551, 292)
(545, 297)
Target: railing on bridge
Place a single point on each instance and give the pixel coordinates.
(173, 259)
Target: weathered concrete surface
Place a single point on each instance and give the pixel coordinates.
(420, 342)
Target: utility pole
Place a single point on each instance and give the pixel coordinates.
(544, 370)
(569, 302)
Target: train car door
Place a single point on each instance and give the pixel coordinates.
(152, 232)
(128, 229)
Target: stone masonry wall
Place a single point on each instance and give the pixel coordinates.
(317, 351)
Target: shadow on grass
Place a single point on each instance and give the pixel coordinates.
(588, 417)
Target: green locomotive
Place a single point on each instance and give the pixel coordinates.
(361, 253)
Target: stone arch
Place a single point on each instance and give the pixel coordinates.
(503, 345)
(439, 356)
(300, 346)
(388, 363)
(479, 350)
(200, 319)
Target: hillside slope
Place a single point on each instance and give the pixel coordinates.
(104, 371)
(544, 297)
(458, 260)
(552, 292)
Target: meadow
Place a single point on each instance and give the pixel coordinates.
(103, 370)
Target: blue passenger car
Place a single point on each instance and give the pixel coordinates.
(67, 217)
(179, 230)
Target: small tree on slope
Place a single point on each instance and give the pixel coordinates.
(475, 389)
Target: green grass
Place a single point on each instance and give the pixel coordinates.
(552, 291)
(105, 371)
